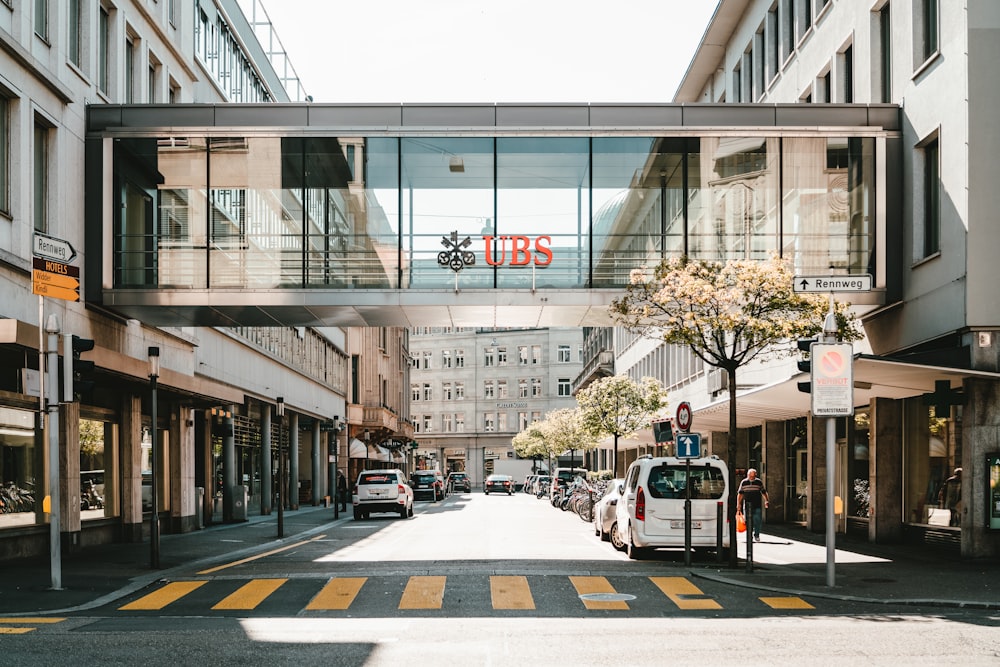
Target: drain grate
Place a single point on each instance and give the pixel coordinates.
(607, 597)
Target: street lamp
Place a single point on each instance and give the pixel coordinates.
(154, 519)
(279, 411)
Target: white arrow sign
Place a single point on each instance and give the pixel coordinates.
(689, 445)
(50, 247)
(860, 282)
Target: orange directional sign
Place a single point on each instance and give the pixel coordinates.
(55, 279)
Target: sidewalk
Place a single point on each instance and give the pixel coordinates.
(792, 561)
(101, 574)
(788, 560)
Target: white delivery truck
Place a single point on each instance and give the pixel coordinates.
(518, 469)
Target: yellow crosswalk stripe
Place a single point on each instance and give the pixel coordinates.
(678, 589)
(15, 631)
(586, 585)
(786, 603)
(251, 594)
(337, 594)
(40, 620)
(159, 599)
(511, 593)
(423, 593)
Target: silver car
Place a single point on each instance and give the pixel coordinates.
(605, 520)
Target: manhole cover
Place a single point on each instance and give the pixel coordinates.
(607, 597)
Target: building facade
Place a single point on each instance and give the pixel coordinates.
(925, 377)
(472, 390)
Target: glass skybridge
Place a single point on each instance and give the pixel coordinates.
(510, 215)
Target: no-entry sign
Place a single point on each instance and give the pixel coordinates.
(832, 379)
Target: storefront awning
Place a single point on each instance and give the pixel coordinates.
(873, 377)
(357, 450)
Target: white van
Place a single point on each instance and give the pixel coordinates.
(562, 478)
(651, 511)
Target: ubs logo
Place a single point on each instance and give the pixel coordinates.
(523, 250)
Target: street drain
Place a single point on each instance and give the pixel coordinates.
(607, 597)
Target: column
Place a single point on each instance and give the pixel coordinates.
(317, 465)
(774, 469)
(885, 470)
(69, 475)
(131, 453)
(266, 473)
(228, 465)
(293, 461)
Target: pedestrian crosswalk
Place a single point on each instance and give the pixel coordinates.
(429, 593)
(21, 625)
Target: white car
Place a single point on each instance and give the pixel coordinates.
(382, 491)
(650, 513)
(605, 517)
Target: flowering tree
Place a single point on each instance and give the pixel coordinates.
(619, 406)
(728, 314)
(561, 431)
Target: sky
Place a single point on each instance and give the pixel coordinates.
(490, 51)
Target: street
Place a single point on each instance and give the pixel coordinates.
(483, 580)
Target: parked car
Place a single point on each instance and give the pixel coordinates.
(428, 483)
(459, 481)
(605, 519)
(382, 491)
(650, 513)
(563, 477)
(499, 484)
(540, 487)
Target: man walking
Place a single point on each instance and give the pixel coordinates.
(751, 497)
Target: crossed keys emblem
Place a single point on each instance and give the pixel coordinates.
(455, 256)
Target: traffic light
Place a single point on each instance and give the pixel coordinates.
(805, 366)
(78, 378)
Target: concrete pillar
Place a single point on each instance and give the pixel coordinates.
(228, 464)
(980, 437)
(774, 469)
(266, 473)
(318, 486)
(180, 469)
(293, 461)
(131, 462)
(69, 476)
(885, 470)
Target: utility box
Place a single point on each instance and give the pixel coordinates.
(240, 499)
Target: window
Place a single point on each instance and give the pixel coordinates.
(4, 154)
(428, 423)
(564, 387)
(459, 358)
(428, 392)
(74, 48)
(536, 416)
(42, 19)
(427, 358)
(536, 387)
(501, 356)
(41, 177)
(103, 44)
(459, 391)
(787, 17)
(446, 391)
(522, 421)
(502, 421)
(737, 84)
(885, 54)
(446, 423)
(489, 422)
(489, 356)
(489, 389)
(931, 198)
(460, 422)
(415, 362)
(563, 354)
(501, 389)
(172, 12)
(847, 69)
(925, 30)
(446, 359)
(414, 392)
(536, 354)
(522, 388)
(522, 355)
(129, 71)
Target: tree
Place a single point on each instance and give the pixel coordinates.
(566, 430)
(619, 406)
(727, 314)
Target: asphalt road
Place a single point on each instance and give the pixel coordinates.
(484, 580)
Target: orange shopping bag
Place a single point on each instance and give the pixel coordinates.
(741, 524)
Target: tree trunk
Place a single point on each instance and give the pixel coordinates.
(731, 511)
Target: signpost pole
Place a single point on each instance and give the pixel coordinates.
(830, 336)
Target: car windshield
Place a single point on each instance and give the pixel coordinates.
(423, 478)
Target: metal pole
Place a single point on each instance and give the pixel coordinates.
(687, 512)
(52, 409)
(281, 467)
(154, 519)
(830, 336)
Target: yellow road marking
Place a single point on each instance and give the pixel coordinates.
(423, 593)
(677, 587)
(511, 593)
(250, 594)
(338, 593)
(584, 585)
(263, 555)
(32, 619)
(786, 603)
(159, 599)
(15, 631)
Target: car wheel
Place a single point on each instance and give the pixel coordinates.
(616, 539)
(402, 512)
(634, 552)
(486, 492)
(409, 512)
(357, 515)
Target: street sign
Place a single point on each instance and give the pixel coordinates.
(684, 416)
(55, 279)
(859, 282)
(50, 247)
(832, 379)
(689, 445)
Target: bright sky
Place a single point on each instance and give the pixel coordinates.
(488, 51)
